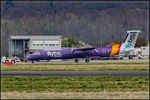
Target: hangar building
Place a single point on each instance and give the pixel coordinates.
(20, 46)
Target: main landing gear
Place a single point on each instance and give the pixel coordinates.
(86, 60)
(76, 60)
(32, 61)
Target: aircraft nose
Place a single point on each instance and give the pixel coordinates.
(28, 57)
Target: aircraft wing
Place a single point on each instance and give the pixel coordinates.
(82, 49)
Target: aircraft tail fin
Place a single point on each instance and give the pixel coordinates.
(130, 39)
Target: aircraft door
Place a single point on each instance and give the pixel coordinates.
(43, 55)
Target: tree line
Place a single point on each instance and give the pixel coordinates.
(97, 24)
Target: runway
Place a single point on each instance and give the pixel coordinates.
(73, 73)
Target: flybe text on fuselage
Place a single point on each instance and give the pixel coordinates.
(54, 54)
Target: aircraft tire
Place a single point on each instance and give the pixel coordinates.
(6, 61)
(13, 61)
(76, 60)
(130, 57)
(32, 62)
(87, 60)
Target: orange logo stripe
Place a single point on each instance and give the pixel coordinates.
(115, 49)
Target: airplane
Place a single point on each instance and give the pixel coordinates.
(88, 53)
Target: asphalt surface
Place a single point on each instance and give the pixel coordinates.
(74, 73)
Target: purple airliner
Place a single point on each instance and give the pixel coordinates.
(88, 53)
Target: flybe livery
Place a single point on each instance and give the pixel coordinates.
(88, 53)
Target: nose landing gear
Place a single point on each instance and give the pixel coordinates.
(87, 60)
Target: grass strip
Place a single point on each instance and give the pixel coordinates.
(74, 84)
(77, 67)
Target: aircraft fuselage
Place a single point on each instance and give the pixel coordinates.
(75, 53)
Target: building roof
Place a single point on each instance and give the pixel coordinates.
(36, 37)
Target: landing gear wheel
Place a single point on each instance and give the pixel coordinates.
(6, 61)
(130, 57)
(76, 60)
(32, 61)
(13, 61)
(87, 60)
